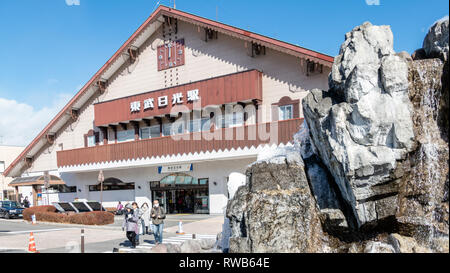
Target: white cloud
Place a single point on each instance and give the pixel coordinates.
(20, 123)
(73, 2)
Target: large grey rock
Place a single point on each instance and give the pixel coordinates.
(378, 247)
(275, 211)
(403, 244)
(191, 246)
(207, 244)
(321, 182)
(173, 248)
(362, 126)
(423, 196)
(436, 41)
(354, 68)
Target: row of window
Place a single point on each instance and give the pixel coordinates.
(285, 112)
(60, 189)
(112, 184)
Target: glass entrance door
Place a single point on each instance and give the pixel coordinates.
(180, 193)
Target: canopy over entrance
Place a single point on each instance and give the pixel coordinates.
(35, 180)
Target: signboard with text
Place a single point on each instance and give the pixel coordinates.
(176, 168)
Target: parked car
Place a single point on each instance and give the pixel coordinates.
(10, 209)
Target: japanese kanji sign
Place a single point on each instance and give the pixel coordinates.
(163, 101)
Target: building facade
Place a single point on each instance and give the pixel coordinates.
(7, 156)
(185, 102)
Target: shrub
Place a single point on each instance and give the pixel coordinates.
(48, 214)
(92, 218)
(34, 210)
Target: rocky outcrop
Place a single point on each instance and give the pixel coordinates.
(423, 200)
(368, 172)
(275, 211)
(435, 44)
(362, 126)
(326, 194)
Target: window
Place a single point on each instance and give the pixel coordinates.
(61, 189)
(238, 120)
(2, 166)
(181, 180)
(91, 141)
(220, 122)
(150, 132)
(9, 204)
(198, 125)
(285, 112)
(206, 124)
(112, 184)
(285, 109)
(179, 126)
(234, 119)
(194, 125)
(169, 129)
(166, 129)
(203, 181)
(127, 135)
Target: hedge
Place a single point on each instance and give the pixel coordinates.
(34, 210)
(49, 214)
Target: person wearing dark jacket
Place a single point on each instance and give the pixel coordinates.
(158, 215)
(131, 223)
(26, 203)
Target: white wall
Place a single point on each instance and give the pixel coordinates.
(58, 197)
(216, 171)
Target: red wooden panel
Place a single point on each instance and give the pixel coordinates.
(212, 92)
(167, 146)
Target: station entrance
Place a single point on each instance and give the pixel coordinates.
(181, 193)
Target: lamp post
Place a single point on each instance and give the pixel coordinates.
(101, 178)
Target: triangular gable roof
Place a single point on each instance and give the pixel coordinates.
(136, 40)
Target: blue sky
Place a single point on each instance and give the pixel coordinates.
(49, 49)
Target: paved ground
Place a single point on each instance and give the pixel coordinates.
(60, 238)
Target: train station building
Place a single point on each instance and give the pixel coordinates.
(185, 102)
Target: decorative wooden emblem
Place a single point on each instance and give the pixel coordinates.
(74, 114)
(171, 55)
(28, 161)
(50, 139)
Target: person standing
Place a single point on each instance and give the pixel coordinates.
(119, 209)
(158, 215)
(131, 223)
(145, 218)
(137, 213)
(26, 203)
